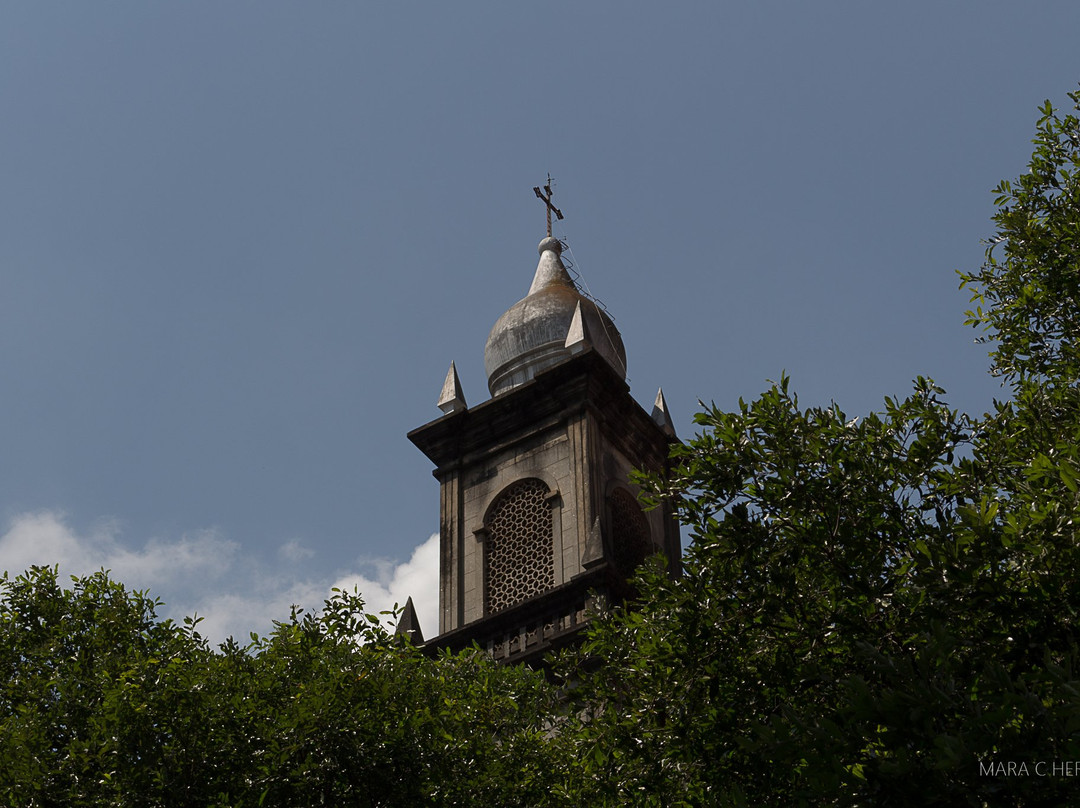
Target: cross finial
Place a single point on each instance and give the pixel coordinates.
(547, 203)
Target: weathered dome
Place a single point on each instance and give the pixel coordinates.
(532, 335)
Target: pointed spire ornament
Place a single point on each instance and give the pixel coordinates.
(577, 336)
(452, 399)
(661, 415)
(594, 546)
(409, 624)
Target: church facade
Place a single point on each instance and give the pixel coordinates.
(539, 523)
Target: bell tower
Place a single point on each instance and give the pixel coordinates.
(539, 522)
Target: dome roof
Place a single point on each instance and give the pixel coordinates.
(532, 335)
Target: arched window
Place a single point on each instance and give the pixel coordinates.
(518, 554)
(630, 535)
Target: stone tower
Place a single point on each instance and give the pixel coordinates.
(537, 513)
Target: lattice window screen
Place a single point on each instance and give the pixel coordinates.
(629, 532)
(519, 552)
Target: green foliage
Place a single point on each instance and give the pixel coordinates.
(106, 705)
(855, 625)
(1028, 290)
(70, 661)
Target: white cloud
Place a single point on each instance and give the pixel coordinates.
(205, 574)
(254, 606)
(44, 538)
(295, 551)
(417, 578)
(203, 554)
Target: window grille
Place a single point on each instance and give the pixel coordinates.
(631, 537)
(519, 552)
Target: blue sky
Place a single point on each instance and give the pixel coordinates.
(240, 243)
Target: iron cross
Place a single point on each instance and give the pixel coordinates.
(547, 202)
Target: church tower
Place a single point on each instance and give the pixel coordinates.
(538, 517)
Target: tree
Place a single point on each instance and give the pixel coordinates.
(1031, 294)
(105, 704)
(76, 719)
(879, 610)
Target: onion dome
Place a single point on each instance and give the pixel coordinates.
(533, 334)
